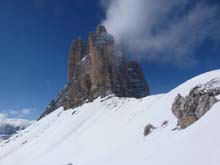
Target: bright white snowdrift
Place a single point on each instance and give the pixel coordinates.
(110, 132)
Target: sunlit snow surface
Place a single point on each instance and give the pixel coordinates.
(110, 132)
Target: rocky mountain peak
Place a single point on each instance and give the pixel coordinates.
(95, 69)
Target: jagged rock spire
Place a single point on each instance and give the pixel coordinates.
(95, 70)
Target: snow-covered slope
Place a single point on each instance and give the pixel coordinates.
(110, 132)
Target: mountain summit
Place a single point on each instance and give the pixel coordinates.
(99, 68)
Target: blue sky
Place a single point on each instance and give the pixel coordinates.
(34, 44)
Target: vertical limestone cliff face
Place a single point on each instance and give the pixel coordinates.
(99, 68)
(78, 50)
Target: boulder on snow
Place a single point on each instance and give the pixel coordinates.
(148, 129)
(164, 124)
(192, 107)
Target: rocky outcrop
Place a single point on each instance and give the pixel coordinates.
(148, 129)
(99, 68)
(199, 101)
(136, 84)
(49, 108)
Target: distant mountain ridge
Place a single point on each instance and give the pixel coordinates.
(99, 68)
(8, 127)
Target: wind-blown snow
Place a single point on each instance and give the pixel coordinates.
(110, 132)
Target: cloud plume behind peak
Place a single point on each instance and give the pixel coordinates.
(163, 30)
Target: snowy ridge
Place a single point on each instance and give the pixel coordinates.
(110, 132)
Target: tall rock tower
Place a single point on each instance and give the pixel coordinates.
(99, 68)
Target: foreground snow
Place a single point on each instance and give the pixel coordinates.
(110, 132)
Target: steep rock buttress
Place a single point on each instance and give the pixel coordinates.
(98, 68)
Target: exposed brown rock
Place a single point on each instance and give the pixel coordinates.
(76, 53)
(99, 68)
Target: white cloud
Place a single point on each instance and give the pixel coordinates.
(9, 126)
(163, 30)
(20, 113)
(14, 118)
(2, 119)
(12, 112)
(25, 111)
